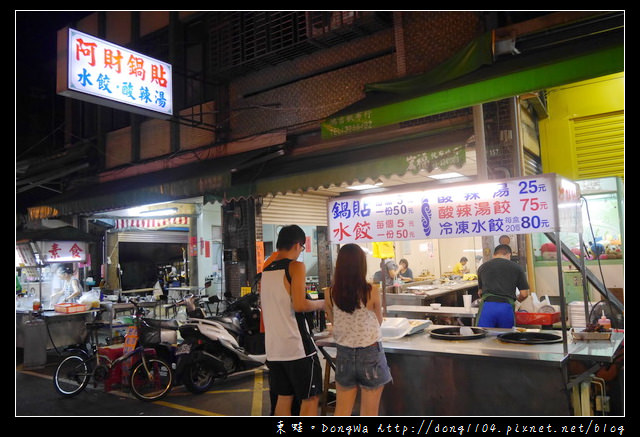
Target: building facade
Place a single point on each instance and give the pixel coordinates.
(277, 111)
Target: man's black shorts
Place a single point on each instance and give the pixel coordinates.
(300, 378)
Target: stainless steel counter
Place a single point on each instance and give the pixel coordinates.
(62, 329)
(482, 377)
(424, 311)
(490, 346)
(429, 289)
(418, 293)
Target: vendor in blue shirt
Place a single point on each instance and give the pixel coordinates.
(498, 280)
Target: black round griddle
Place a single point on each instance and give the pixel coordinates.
(453, 333)
(529, 337)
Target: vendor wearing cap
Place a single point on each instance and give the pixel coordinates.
(498, 279)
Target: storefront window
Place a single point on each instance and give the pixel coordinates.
(602, 212)
(429, 258)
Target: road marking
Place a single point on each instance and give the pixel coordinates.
(256, 402)
(258, 388)
(187, 409)
(40, 375)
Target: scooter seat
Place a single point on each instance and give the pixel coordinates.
(171, 324)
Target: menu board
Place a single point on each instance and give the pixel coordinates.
(541, 203)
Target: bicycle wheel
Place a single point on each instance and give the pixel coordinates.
(71, 376)
(152, 381)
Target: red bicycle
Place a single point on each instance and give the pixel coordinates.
(150, 377)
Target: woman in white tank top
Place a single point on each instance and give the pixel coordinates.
(354, 308)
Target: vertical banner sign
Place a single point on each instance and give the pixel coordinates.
(193, 246)
(104, 73)
(543, 203)
(259, 256)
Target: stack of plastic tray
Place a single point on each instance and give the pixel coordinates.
(576, 313)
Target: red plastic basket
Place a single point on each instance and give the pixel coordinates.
(69, 308)
(523, 318)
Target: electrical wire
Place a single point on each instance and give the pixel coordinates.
(586, 205)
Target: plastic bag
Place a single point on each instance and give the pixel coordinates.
(90, 298)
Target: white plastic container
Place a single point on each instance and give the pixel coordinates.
(395, 327)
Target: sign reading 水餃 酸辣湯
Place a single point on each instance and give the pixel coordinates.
(105, 73)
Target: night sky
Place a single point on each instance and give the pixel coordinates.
(39, 112)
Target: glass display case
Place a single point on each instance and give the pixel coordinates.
(602, 221)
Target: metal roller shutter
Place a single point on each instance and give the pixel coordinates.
(153, 237)
(532, 165)
(300, 209)
(599, 145)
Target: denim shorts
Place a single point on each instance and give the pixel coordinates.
(363, 366)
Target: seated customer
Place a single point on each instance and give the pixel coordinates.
(404, 273)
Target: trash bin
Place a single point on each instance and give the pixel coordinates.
(35, 344)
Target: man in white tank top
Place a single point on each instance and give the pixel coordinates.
(292, 357)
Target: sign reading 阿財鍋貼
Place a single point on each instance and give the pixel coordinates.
(104, 73)
(544, 203)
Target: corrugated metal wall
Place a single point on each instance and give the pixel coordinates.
(599, 145)
(301, 209)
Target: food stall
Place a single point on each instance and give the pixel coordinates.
(40, 323)
(423, 292)
(491, 371)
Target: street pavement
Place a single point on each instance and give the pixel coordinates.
(238, 395)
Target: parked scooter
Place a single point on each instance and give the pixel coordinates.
(215, 346)
(241, 317)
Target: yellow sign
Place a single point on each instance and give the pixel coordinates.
(383, 249)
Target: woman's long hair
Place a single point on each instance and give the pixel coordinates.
(350, 287)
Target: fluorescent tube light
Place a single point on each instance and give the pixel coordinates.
(164, 211)
(446, 175)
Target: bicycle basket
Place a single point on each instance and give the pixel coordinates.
(148, 333)
(151, 331)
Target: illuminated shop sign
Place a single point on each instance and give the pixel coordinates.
(161, 223)
(64, 251)
(104, 73)
(544, 203)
